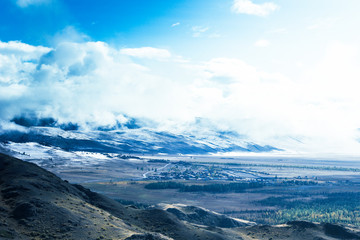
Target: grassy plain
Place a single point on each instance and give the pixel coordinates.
(334, 198)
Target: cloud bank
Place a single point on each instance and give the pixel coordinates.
(94, 84)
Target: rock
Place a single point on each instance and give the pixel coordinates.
(339, 232)
(24, 211)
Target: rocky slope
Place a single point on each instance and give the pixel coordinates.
(36, 204)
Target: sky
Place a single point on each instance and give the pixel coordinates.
(279, 72)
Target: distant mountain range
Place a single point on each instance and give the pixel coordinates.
(129, 138)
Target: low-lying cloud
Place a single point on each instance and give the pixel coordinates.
(94, 84)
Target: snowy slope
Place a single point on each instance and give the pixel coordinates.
(133, 141)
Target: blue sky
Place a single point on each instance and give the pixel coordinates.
(226, 33)
(101, 21)
(280, 72)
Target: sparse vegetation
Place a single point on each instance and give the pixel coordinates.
(221, 187)
(213, 188)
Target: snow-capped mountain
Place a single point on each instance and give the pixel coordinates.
(126, 138)
(134, 141)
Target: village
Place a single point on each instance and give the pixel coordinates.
(188, 171)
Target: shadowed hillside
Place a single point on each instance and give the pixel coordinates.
(36, 204)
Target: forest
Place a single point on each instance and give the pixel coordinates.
(337, 208)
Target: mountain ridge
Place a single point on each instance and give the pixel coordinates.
(134, 141)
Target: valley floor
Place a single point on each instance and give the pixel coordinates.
(291, 188)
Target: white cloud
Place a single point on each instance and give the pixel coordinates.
(248, 7)
(26, 3)
(93, 82)
(87, 82)
(262, 43)
(199, 30)
(16, 60)
(69, 34)
(22, 50)
(146, 52)
(12, 91)
(175, 24)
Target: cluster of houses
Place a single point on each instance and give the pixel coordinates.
(192, 173)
